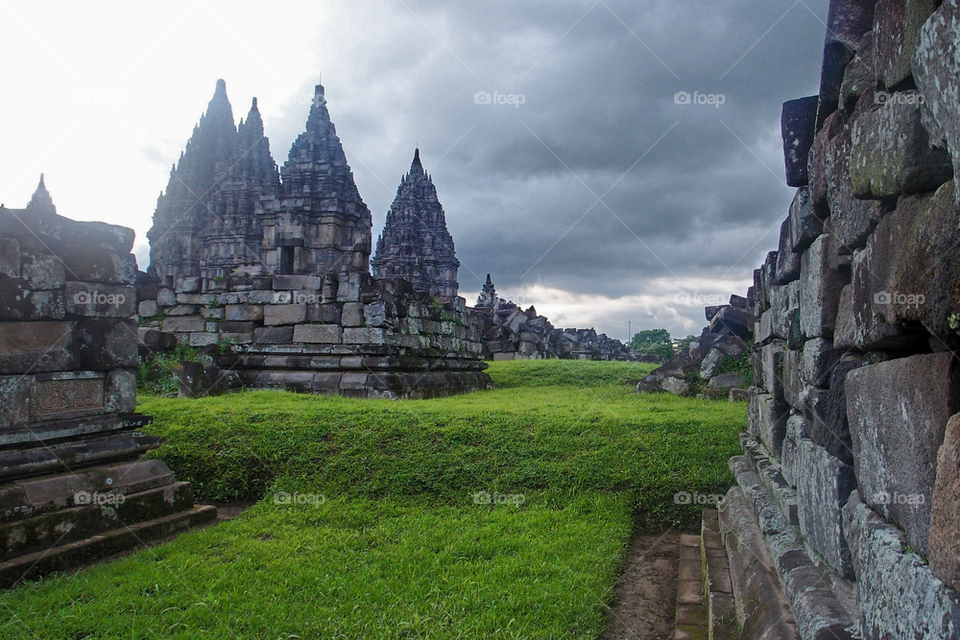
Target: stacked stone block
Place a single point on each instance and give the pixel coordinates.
(856, 378)
(346, 334)
(72, 484)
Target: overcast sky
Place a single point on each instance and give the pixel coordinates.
(598, 199)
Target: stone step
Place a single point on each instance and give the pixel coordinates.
(97, 513)
(31, 497)
(67, 557)
(717, 586)
(692, 616)
(68, 456)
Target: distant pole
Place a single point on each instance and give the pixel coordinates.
(629, 331)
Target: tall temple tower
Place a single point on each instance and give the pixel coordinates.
(226, 208)
(205, 223)
(318, 223)
(415, 244)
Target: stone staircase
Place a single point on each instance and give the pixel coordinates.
(705, 604)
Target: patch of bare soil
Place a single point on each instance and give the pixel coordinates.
(646, 596)
(230, 510)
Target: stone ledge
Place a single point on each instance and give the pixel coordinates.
(35, 565)
(761, 605)
(899, 595)
(822, 604)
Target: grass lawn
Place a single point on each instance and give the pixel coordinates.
(387, 539)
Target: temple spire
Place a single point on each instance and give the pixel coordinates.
(416, 166)
(41, 200)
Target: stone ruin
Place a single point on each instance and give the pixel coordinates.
(73, 483)
(272, 268)
(510, 333)
(845, 519)
(415, 244)
(723, 340)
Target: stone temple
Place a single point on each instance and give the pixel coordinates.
(273, 267)
(415, 244)
(226, 207)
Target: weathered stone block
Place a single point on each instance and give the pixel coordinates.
(99, 300)
(764, 332)
(788, 262)
(317, 333)
(832, 428)
(244, 312)
(937, 72)
(107, 344)
(945, 510)
(712, 363)
(352, 314)
(148, 309)
(375, 314)
(824, 484)
(166, 297)
(237, 326)
(324, 313)
(182, 310)
(108, 268)
(190, 284)
(281, 314)
(363, 335)
(203, 338)
(896, 33)
(909, 273)
(891, 152)
(851, 219)
(120, 391)
(793, 378)
(273, 335)
(293, 283)
(897, 594)
(798, 122)
(790, 463)
(42, 271)
(767, 421)
(805, 225)
(898, 411)
(819, 360)
(859, 76)
(349, 287)
(17, 302)
(823, 275)
(771, 356)
(183, 324)
(16, 393)
(38, 346)
(9, 258)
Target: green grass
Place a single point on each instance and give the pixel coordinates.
(398, 548)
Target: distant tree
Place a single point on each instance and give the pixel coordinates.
(683, 344)
(653, 342)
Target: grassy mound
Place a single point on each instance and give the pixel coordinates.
(382, 519)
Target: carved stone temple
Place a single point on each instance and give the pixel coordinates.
(274, 268)
(226, 207)
(415, 244)
(73, 484)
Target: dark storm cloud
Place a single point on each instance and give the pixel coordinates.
(687, 190)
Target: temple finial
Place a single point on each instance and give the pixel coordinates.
(41, 200)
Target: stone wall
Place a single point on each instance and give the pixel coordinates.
(850, 464)
(511, 333)
(345, 334)
(72, 484)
